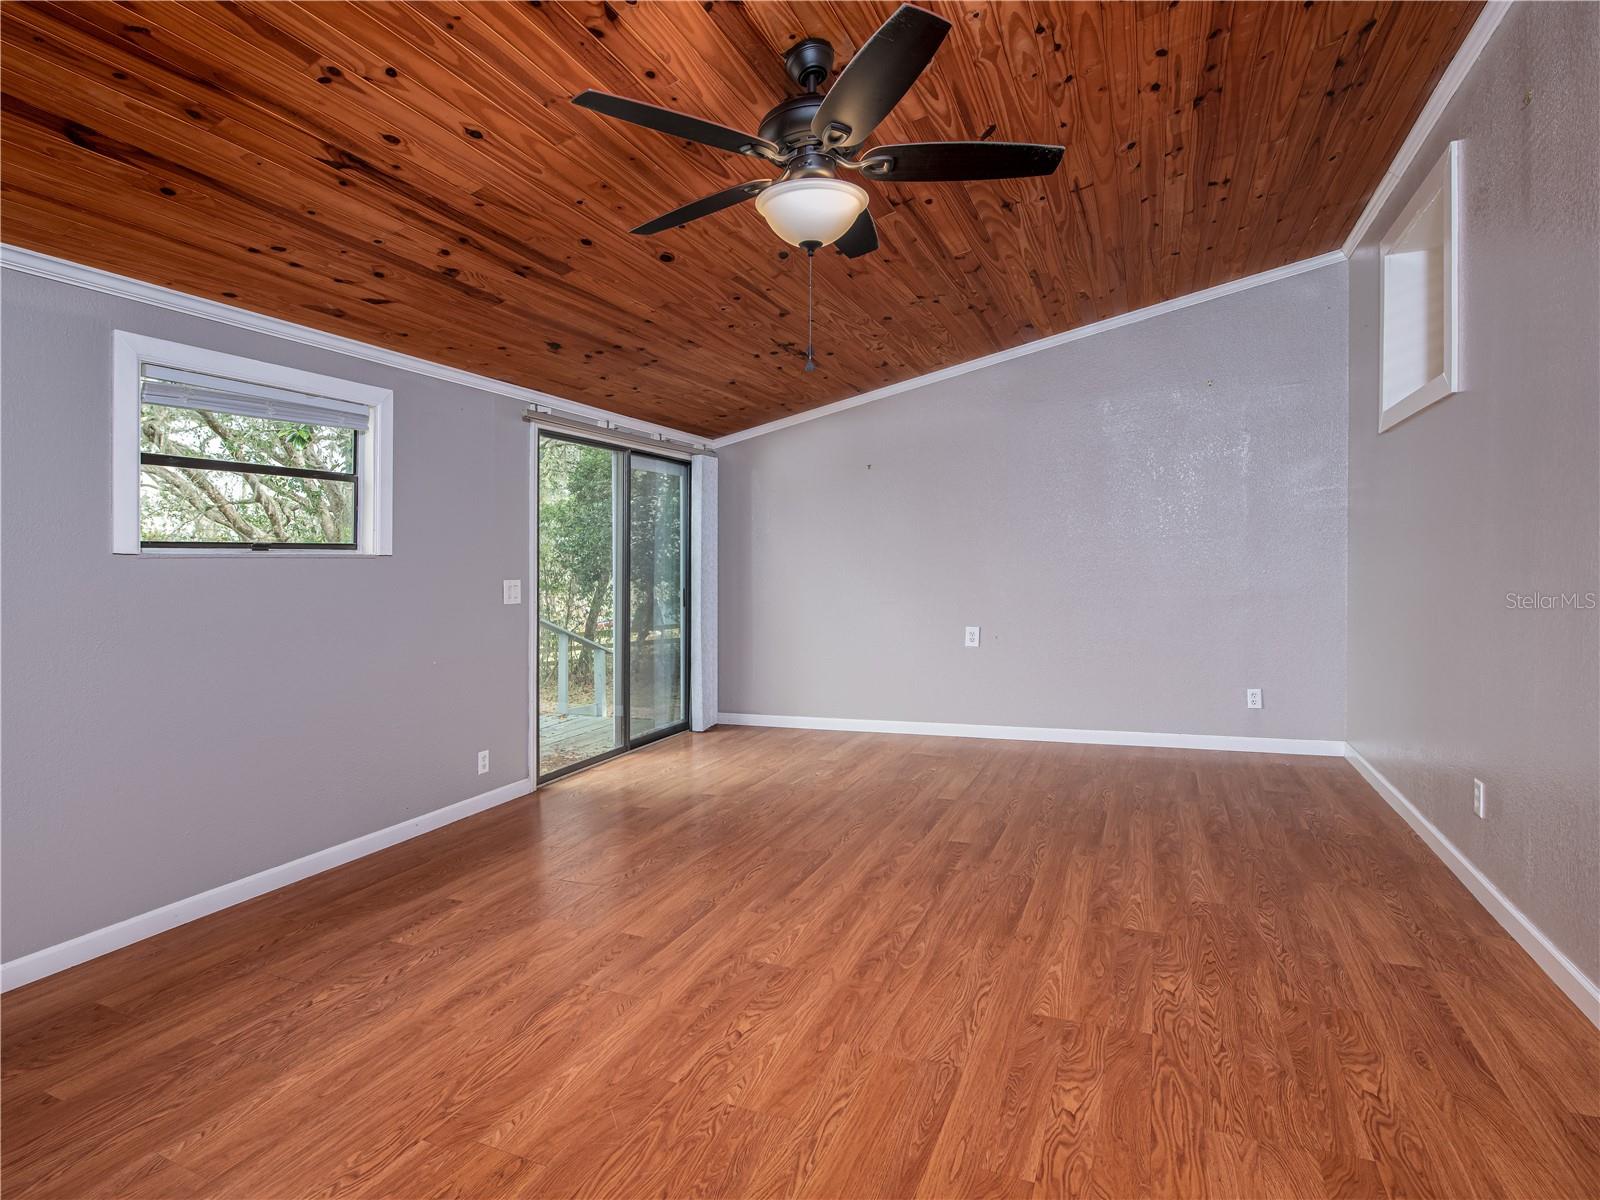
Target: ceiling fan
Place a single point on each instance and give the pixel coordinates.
(815, 136)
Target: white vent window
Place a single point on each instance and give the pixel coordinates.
(1419, 272)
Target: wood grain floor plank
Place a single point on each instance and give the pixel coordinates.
(762, 963)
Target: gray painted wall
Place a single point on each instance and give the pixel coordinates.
(1143, 523)
(175, 724)
(1496, 490)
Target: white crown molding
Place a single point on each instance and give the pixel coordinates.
(31, 262)
(1036, 733)
(1580, 989)
(1045, 343)
(180, 912)
(1449, 83)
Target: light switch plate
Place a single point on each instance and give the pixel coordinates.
(511, 591)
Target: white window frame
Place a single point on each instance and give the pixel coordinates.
(375, 471)
(1440, 192)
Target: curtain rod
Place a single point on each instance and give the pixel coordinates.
(621, 435)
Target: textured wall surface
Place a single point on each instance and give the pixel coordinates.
(174, 724)
(1144, 523)
(1496, 490)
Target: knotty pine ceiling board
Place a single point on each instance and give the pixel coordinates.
(414, 176)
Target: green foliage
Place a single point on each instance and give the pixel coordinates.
(178, 504)
(575, 537)
(575, 561)
(577, 591)
(655, 547)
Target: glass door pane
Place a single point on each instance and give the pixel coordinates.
(580, 553)
(657, 596)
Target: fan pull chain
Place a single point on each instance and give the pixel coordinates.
(811, 255)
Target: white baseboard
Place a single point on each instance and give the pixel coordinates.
(1580, 989)
(1033, 733)
(124, 933)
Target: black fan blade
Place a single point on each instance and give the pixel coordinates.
(674, 124)
(882, 71)
(861, 238)
(932, 162)
(705, 206)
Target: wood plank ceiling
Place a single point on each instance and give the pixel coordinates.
(412, 175)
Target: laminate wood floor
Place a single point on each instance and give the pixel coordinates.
(778, 963)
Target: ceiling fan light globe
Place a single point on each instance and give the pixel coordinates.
(817, 209)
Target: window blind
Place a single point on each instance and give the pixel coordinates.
(178, 388)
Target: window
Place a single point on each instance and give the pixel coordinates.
(1419, 356)
(220, 454)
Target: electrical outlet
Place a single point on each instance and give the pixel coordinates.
(1479, 805)
(972, 636)
(511, 591)
(1252, 697)
(483, 762)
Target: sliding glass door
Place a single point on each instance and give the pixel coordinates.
(613, 601)
(658, 585)
(580, 551)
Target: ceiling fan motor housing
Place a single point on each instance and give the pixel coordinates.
(789, 124)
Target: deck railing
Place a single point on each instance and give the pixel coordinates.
(602, 698)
